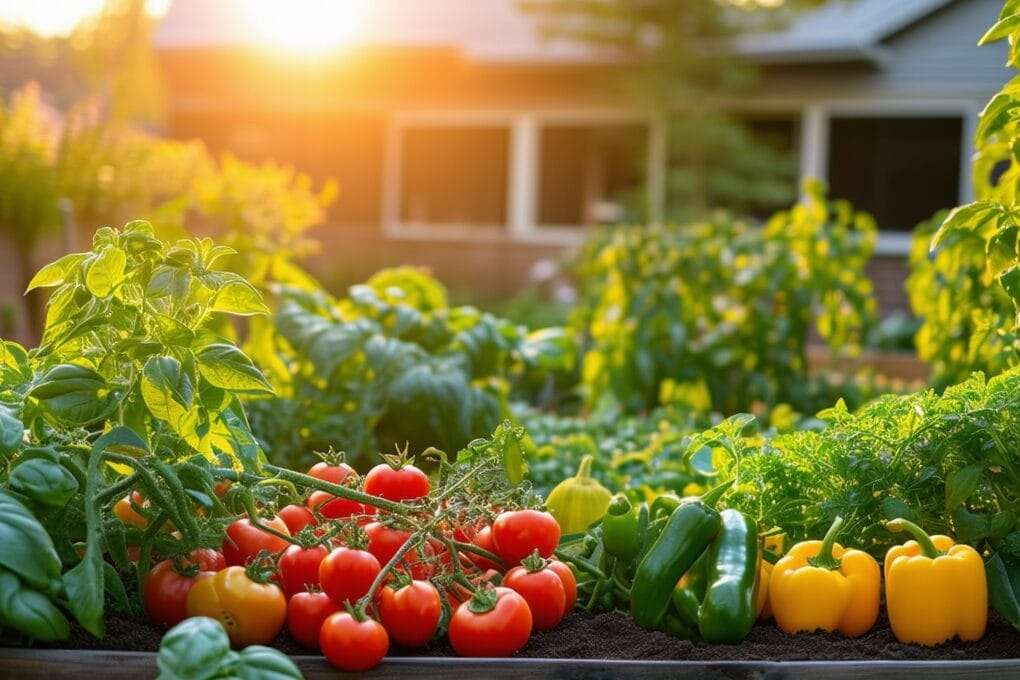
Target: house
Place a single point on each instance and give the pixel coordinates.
(465, 142)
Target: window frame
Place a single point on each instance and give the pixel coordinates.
(523, 172)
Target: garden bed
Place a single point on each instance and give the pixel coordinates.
(583, 645)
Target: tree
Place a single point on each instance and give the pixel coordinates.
(681, 67)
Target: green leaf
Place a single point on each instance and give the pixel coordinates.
(1010, 282)
(29, 611)
(195, 649)
(55, 273)
(106, 271)
(240, 298)
(1001, 29)
(1001, 249)
(961, 485)
(1003, 576)
(971, 216)
(27, 549)
(265, 663)
(168, 281)
(85, 591)
(227, 367)
(73, 395)
(15, 366)
(44, 482)
(12, 431)
(168, 393)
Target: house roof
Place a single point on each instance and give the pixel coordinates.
(484, 30)
(498, 30)
(837, 31)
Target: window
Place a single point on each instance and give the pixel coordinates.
(588, 174)
(771, 159)
(901, 170)
(454, 175)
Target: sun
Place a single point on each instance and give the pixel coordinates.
(305, 27)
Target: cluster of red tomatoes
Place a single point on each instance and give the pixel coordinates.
(318, 587)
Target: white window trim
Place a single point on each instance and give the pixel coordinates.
(814, 143)
(523, 173)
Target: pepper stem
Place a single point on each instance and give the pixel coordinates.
(923, 539)
(584, 469)
(712, 496)
(825, 559)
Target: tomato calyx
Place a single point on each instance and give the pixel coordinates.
(534, 562)
(400, 459)
(355, 537)
(332, 457)
(483, 600)
(262, 567)
(185, 566)
(357, 611)
(400, 578)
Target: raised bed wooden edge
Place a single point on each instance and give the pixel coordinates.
(47, 664)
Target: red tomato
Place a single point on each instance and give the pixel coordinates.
(296, 517)
(403, 484)
(410, 614)
(207, 559)
(543, 591)
(335, 474)
(384, 542)
(483, 539)
(244, 540)
(500, 631)
(305, 613)
(346, 574)
(334, 507)
(519, 533)
(569, 584)
(222, 487)
(165, 594)
(353, 645)
(299, 568)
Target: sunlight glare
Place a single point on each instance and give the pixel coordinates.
(51, 19)
(307, 27)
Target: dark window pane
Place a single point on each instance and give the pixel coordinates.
(454, 175)
(588, 173)
(771, 158)
(901, 170)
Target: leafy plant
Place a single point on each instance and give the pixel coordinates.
(391, 364)
(722, 307)
(946, 461)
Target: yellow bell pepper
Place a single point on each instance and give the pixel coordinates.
(762, 608)
(820, 585)
(934, 589)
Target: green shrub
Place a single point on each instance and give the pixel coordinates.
(722, 306)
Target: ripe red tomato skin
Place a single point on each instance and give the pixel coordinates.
(165, 593)
(404, 484)
(207, 559)
(543, 591)
(244, 540)
(299, 568)
(335, 474)
(518, 533)
(569, 584)
(305, 613)
(347, 574)
(410, 614)
(483, 539)
(499, 632)
(296, 517)
(334, 507)
(384, 542)
(352, 645)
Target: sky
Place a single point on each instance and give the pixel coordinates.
(59, 17)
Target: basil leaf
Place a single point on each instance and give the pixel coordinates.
(29, 611)
(25, 547)
(228, 367)
(44, 482)
(195, 649)
(264, 663)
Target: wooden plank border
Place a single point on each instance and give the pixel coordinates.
(45, 664)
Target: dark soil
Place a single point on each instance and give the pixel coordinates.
(615, 636)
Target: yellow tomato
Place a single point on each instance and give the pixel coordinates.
(252, 613)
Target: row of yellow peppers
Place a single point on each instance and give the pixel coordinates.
(934, 589)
